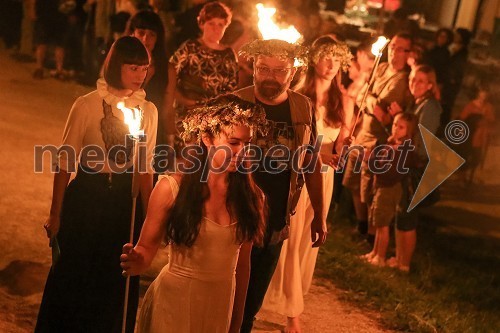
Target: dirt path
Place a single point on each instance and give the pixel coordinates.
(323, 313)
(34, 112)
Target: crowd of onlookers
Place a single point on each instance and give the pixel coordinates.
(185, 56)
(80, 33)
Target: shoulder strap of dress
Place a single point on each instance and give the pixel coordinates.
(173, 183)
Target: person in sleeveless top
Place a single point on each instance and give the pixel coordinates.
(90, 218)
(210, 217)
(293, 275)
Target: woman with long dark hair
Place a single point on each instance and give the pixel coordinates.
(210, 215)
(293, 275)
(90, 218)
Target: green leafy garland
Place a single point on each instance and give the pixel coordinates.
(336, 50)
(212, 119)
(274, 48)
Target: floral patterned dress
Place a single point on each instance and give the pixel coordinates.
(203, 72)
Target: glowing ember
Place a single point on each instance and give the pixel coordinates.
(379, 45)
(132, 118)
(270, 30)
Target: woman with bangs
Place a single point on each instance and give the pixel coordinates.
(90, 218)
(210, 221)
(148, 27)
(293, 276)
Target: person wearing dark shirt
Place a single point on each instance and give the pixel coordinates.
(279, 176)
(390, 164)
(456, 71)
(51, 25)
(439, 56)
(147, 26)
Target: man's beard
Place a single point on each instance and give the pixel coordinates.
(270, 89)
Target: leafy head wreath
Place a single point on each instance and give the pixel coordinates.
(274, 48)
(327, 46)
(223, 111)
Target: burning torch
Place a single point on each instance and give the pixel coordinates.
(132, 118)
(377, 50)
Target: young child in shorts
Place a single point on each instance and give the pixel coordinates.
(389, 163)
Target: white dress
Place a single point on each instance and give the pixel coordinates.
(293, 276)
(194, 292)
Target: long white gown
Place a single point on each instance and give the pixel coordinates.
(194, 292)
(293, 276)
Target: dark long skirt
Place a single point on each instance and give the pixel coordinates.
(85, 289)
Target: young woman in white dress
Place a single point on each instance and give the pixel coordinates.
(210, 216)
(293, 275)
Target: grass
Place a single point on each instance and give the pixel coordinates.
(453, 285)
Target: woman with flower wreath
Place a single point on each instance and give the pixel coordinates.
(210, 220)
(293, 275)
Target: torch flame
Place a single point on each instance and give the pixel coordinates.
(379, 46)
(270, 30)
(132, 118)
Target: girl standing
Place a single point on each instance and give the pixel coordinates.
(424, 89)
(387, 185)
(210, 224)
(90, 217)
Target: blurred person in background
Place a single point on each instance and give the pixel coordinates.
(459, 51)
(200, 69)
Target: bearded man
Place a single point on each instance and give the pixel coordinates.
(281, 174)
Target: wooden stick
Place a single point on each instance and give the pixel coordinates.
(362, 105)
(135, 194)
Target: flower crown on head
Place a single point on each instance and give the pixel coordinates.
(223, 111)
(275, 48)
(333, 49)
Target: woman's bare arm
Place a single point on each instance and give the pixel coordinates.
(242, 277)
(136, 260)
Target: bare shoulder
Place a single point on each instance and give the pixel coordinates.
(165, 181)
(178, 177)
(163, 193)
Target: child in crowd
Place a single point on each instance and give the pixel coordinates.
(388, 163)
(479, 116)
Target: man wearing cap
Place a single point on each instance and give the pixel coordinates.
(279, 174)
